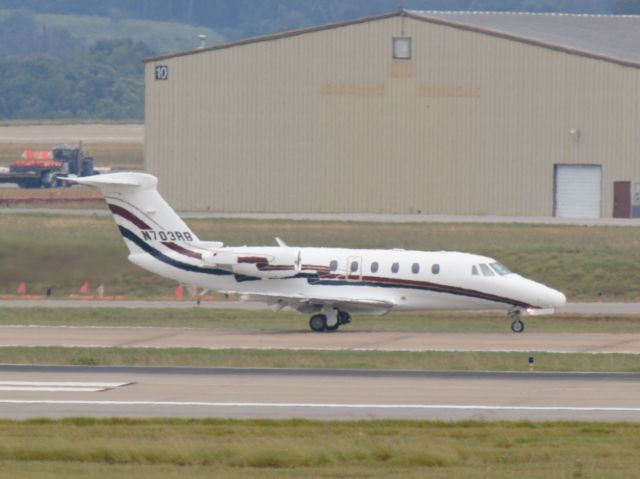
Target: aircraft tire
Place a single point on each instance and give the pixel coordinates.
(318, 323)
(517, 326)
(334, 327)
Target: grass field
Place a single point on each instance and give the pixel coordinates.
(586, 263)
(293, 321)
(115, 155)
(301, 359)
(171, 448)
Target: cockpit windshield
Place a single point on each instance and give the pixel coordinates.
(500, 269)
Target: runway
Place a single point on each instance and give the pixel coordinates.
(315, 394)
(124, 337)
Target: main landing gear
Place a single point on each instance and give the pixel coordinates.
(328, 320)
(517, 326)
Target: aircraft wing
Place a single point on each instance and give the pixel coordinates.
(309, 304)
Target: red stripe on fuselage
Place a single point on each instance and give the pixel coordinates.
(179, 249)
(118, 210)
(422, 284)
(275, 267)
(252, 260)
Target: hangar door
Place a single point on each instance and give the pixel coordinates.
(578, 191)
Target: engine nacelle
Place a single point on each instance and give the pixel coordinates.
(275, 264)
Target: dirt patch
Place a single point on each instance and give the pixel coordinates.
(56, 134)
(17, 197)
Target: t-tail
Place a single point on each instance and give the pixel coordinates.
(146, 221)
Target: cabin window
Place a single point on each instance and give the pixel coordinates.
(474, 270)
(415, 268)
(333, 265)
(354, 267)
(435, 269)
(500, 269)
(374, 267)
(395, 267)
(486, 270)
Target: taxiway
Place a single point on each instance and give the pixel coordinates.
(611, 309)
(140, 337)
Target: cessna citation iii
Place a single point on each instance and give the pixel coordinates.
(328, 283)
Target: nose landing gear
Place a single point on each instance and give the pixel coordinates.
(328, 320)
(517, 326)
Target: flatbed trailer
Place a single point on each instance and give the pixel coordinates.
(43, 169)
(23, 180)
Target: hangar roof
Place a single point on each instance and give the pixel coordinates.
(613, 38)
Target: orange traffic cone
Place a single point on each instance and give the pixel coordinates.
(84, 289)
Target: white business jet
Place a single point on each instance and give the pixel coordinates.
(328, 283)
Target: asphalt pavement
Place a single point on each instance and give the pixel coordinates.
(55, 391)
(352, 217)
(613, 309)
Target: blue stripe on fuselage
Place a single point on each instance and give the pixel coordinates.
(434, 288)
(168, 260)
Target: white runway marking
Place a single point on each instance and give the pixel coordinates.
(469, 407)
(51, 389)
(60, 386)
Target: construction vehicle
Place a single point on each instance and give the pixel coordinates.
(43, 169)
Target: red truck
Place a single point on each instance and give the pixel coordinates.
(43, 169)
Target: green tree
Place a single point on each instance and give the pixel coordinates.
(105, 82)
(626, 7)
(20, 35)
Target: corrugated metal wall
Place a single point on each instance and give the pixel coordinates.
(327, 121)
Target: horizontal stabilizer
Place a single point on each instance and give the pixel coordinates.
(100, 180)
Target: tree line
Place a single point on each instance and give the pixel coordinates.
(244, 18)
(50, 75)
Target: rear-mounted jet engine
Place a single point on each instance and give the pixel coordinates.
(278, 263)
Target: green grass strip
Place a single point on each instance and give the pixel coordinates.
(240, 358)
(173, 448)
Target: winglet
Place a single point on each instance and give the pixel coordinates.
(281, 243)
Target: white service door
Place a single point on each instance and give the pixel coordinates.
(578, 191)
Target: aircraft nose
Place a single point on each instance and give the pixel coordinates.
(541, 296)
(556, 298)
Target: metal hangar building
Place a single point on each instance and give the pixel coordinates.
(411, 112)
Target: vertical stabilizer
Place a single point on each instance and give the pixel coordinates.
(146, 221)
